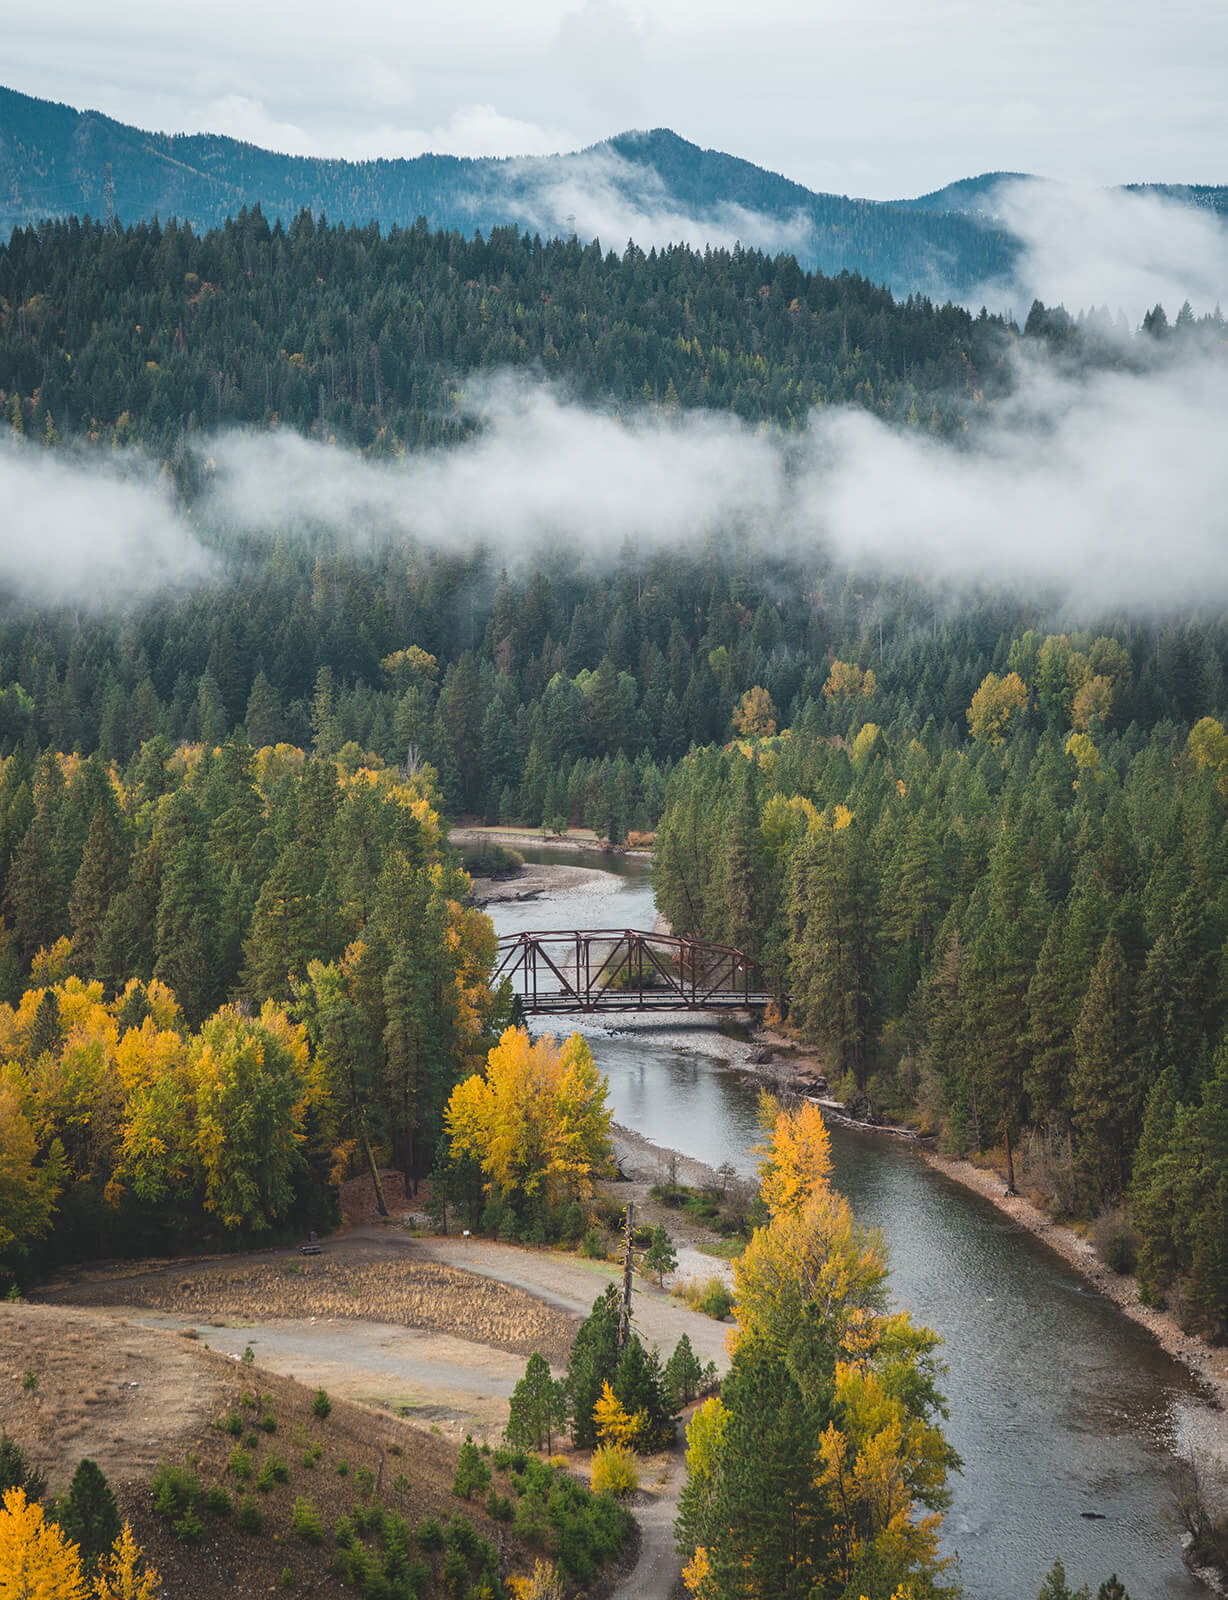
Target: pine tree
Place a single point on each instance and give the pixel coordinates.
(592, 1363)
(188, 924)
(1105, 1090)
(89, 1516)
(264, 720)
(771, 1525)
(538, 1408)
(100, 881)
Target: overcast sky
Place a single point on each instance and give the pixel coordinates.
(882, 98)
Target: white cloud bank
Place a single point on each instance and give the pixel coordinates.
(600, 194)
(79, 534)
(1084, 246)
(1107, 491)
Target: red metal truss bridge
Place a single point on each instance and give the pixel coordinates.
(624, 969)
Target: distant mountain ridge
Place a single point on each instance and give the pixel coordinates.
(651, 186)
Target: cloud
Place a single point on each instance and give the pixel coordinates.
(80, 534)
(1106, 491)
(470, 130)
(599, 194)
(1103, 491)
(1084, 246)
(540, 470)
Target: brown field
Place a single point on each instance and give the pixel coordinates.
(347, 1281)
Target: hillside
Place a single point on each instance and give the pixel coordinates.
(653, 185)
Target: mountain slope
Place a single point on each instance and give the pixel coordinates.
(653, 187)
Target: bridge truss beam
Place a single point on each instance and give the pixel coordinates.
(624, 969)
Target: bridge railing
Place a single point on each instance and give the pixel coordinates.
(624, 969)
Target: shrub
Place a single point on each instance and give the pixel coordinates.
(499, 1506)
(250, 1517)
(430, 1534)
(1116, 1240)
(274, 1471)
(189, 1529)
(471, 1471)
(268, 1424)
(592, 1245)
(175, 1491)
(368, 1519)
(240, 1465)
(217, 1502)
(312, 1454)
(712, 1297)
(233, 1425)
(343, 1468)
(614, 1471)
(365, 1479)
(16, 1471)
(344, 1534)
(461, 1536)
(509, 1232)
(321, 1405)
(287, 1578)
(308, 1523)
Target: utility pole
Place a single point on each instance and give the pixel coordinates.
(624, 1311)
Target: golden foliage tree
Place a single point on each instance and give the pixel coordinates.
(797, 1155)
(848, 681)
(36, 1561)
(810, 1308)
(754, 716)
(537, 1121)
(995, 706)
(126, 1576)
(28, 1185)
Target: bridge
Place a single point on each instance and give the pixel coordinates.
(624, 969)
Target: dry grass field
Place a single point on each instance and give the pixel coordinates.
(346, 1281)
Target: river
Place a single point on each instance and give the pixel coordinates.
(1059, 1405)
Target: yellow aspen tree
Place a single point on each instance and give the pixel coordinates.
(36, 1561)
(797, 1156)
(813, 1257)
(125, 1575)
(538, 1121)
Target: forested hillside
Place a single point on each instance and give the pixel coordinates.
(53, 161)
(153, 333)
(1019, 935)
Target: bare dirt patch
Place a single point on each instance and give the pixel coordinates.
(356, 1281)
(122, 1396)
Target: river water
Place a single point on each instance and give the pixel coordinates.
(1059, 1405)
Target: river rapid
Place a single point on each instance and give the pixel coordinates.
(1066, 1414)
